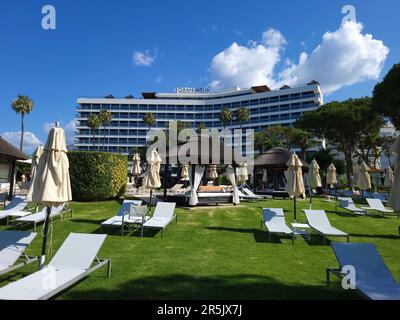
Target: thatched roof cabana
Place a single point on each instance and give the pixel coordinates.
(9, 155)
(274, 161)
(275, 158)
(195, 147)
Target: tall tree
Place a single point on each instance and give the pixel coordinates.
(386, 96)
(242, 115)
(22, 105)
(343, 123)
(105, 119)
(299, 138)
(149, 119)
(225, 116)
(200, 127)
(94, 123)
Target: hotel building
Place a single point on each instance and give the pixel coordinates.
(127, 129)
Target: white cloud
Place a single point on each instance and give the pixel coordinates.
(143, 58)
(159, 78)
(344, 57)
(31, 142)
(69, 130)
(245, 66)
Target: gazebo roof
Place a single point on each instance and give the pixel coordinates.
(227, 155)
(275, 158)
(7, 150)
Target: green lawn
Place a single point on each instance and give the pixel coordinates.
(218, 253)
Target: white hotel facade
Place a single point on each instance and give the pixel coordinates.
(127, 129)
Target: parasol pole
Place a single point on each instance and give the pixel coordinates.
(44, 241)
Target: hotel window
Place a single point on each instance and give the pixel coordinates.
(141, 141)
(208, 107)
(264, 109)
(189, 108)
(153, 107)
(190, 116)
(234, 104)
(143, 107)
(162, 108)
(274, 99)
(180, 116)
(295, 96)
(171, 108)
(264, 100)
(274, 108)
(274, 117)
(161, 115)
(285, 107)
(170, 116)
(115, 107)
(227, 105)
(199, 108)
(133, 107)
(309, 94)
(199, 116)
(264, 119)
(254, 102)
(95, 106)
(244, 103)
(284, 98)
(123, 132)
(142, 132)
(295, 106)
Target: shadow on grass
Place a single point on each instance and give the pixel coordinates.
(180, 286)
(89, 221)
(260, 236)
(381, 236)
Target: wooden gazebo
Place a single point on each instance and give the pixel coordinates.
(9, 156)
(275, 162)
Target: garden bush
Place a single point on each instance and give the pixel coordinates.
(97, 176)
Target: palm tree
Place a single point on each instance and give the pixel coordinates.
(94, 123)
(200, 127)
(105, 119)
(22, 105)
(225, 116)
(242, 115)
(149, 119)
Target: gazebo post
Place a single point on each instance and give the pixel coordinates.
(12, 174)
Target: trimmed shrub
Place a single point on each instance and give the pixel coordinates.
(97, 176)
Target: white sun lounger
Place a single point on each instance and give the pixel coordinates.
(243, 196)
(319, 222)
(12, 246)
(116, 221)
(274, 221)
(248, 192)
(72, 262)
(348, 204)
(164, 213)
(17, 204)
(373, 279)
(39, 217)
(377, 205)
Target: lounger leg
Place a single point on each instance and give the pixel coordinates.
(348, 239)
(162, 233)
(109, 269)
(269, 236)
(328, 279)
(324, 240)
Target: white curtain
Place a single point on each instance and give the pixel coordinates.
(198, 174)
(231, 176)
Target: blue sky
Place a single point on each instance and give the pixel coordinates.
(92, 50)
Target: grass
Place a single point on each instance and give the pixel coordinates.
(218, 253)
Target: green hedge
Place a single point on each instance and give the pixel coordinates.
(97, 175)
